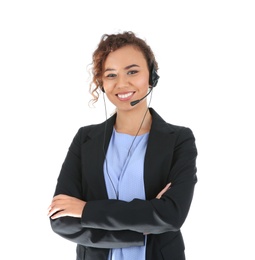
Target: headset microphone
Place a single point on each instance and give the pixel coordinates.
(153, 82)
(139, 100)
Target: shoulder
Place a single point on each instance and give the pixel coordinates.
(161, 125)
(89, 131)
(95, 130)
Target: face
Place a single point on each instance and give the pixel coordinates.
(126, 77)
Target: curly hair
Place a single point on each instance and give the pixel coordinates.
(113, 42)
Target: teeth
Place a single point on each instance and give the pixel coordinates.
(125, 95)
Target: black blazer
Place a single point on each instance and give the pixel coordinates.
(170, 157)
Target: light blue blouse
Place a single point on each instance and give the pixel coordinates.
(123, 173)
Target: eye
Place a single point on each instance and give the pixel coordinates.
(111, 75)
(131, 72)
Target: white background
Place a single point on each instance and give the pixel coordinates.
(205, 51)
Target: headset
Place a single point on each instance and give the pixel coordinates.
(154, 77)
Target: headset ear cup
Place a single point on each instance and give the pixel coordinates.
(153, 77)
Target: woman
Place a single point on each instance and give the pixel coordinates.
(126, 185)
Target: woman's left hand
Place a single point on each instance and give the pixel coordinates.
(167, 187)
(64, 205)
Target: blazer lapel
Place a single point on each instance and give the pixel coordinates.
(93, 155)
(158, 156)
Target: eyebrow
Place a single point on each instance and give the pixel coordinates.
(126, 68)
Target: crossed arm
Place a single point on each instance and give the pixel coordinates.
(113, 223)
(64, 205)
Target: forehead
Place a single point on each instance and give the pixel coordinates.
(125, 56)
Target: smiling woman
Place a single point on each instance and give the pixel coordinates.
(126, 185)
(125, 77)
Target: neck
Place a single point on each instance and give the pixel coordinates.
(129, 122)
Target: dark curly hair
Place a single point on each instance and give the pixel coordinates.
(112, 42)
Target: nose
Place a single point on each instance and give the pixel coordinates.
(122, 81)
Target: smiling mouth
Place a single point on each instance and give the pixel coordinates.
(125, 96)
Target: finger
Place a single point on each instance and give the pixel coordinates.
(58, 214)
(160, 194)
(52, 211)
(56, 206)
(167, 187)
(61, 201)
(60, 197)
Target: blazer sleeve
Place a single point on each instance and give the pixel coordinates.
(69, 183)
(157, 215)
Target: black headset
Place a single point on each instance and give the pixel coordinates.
(154, 77)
